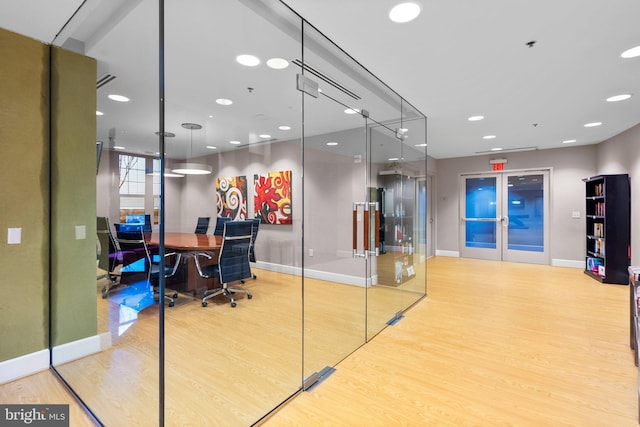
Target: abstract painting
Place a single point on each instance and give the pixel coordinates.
(272, 200)
(232, 197)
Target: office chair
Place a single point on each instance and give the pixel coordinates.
(255, 224)
(136, 258)
(203, 225)
(220, 221)
(110, 256)
(233, 261)
(169, 271)
(147, 223)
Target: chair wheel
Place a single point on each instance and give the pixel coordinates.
(105, 292)
(249, 296)
(233, 304)
(171, 303)
(175, 295)
(204, 303)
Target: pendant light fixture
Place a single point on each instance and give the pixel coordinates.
(188, 168)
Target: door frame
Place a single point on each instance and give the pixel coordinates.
(501, 252)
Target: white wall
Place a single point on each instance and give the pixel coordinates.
(569, 166)
(621, 154)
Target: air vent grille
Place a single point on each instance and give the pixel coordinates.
(104, 79)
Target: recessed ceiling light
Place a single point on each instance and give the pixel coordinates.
(211, 116)
(631, 53)
(617, 98)
(224, 101)
(99, 113)
(284, 127)
(277, 63)
(264, 135)
(119, 98)
(421, 145)
(394, 159)
(351, 111)
(568, 141)
(404, 12)
(235, 142)
(118, 147)
(475, 118)
(211, 147)
(488, 137)
(593, 124)
(332, 143)
(248, 60)
(496, 149)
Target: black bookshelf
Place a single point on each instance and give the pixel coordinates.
(608, 216)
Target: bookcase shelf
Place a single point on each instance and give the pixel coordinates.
(607, 237)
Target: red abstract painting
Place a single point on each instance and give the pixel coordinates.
(272, 200)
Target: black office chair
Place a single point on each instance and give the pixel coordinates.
(170, 269)
(255, 224)
(110, 256)
(147, 224)
(203, 225)
(233, 261)
(136, 258)
(220, 221)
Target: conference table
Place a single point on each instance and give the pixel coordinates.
(189, 244)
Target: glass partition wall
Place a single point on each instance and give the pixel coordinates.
(263, 117)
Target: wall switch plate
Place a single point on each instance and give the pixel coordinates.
(310, 252)
(575, 214)
(14, 236)
(81, 232)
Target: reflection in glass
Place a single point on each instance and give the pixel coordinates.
(526, 213)
(480, 230)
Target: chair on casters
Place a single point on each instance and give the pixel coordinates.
(220, 221)
(110, 256)
(233, 261)
(203, 225)
(170, 269)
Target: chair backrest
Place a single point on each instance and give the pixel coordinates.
(147, 223)
(133, 246)
(108, 259)
(220, 221)
(203, 225)
(254, 234)
(233, 261)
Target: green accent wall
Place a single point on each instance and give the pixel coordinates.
(73, 196)
(24, 174)
(25, 146)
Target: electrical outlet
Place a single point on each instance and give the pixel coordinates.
(310, 252)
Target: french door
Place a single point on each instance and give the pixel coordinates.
(505, 216)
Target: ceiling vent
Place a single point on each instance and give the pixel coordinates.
(319, 74)
(104, 79)
(262, 141)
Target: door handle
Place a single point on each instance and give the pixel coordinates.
(367, 208)
(354, 229)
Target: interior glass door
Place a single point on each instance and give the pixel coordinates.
(480, 210)
(504, 216)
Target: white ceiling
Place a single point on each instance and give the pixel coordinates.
(464, 57)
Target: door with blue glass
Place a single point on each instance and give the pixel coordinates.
(525, 225)
(480, 217)
(504, 216)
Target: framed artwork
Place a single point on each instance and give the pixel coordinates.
(272, 197)
(232, 197)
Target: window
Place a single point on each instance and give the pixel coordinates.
(132, 185)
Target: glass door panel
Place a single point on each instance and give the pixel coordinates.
(526, 197)
(122, 354)
(248, 357)
(480, 210)
(335, 210)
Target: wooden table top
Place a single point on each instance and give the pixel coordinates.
(188, 241)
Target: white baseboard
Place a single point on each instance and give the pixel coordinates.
(568, 263)
(80, 348)
(317, 274)
(23, 366)
(454, 254)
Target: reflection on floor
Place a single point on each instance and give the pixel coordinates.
(237, 363)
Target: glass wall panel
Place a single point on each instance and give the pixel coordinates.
(229, 73)
(115, 369)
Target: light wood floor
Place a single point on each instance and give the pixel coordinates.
(493, 344)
